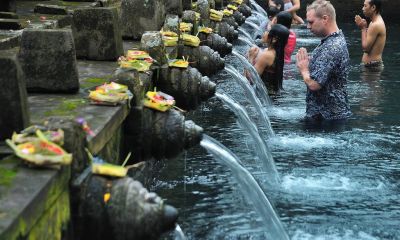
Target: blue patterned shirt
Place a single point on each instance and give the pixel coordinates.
(329, 66)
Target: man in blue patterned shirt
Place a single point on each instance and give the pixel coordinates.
(325, 73)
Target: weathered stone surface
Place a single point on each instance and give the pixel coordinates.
(186, 5)
(34, 198)
(139, 16)
(48, 60)
(131, 213)
(174, 7)
(239, 17)
(97, 34)
(150, 133)
(187, 86)
(8, 6)
(171, 23)
(225, 30)
(245, 10)
(10, 24)
(231, 21)
(203, 7)
(189, 16)
(74, 141)
(10, 42)
(216, 42)
(50, 9)
(206, 60)
(138, 83)
(153, 44)
(13, 98)
(81, 0)
(8, 15)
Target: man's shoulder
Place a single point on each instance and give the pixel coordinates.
(378, 25)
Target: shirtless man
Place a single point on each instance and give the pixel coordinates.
(373, 36)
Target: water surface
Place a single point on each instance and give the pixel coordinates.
(338, 181)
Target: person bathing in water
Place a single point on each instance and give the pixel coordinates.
(325, 72)
(269, 61)
(292, 6)
(373, 36)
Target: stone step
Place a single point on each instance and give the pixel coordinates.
(9, 15)
(50, 9)
(11, 24)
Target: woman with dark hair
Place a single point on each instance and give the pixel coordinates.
(285, 18)
(269, 62)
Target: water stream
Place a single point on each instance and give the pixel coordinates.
(249, 91)
(261, 90)
(262, 151)
(249, 186)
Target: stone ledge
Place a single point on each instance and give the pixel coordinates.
(103, 120)
(30, 194)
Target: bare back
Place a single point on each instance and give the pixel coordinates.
(376, 39)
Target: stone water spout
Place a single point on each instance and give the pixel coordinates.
(231, 21)
(213, 40)
(239, 17)
(203, 58)
(121, 209)
(225, 30)
(245, 10)
(160, 134)
(216, 42)
(188, 86)
(222, 28)
(206, 60)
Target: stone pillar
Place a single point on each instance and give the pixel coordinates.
(97, 34)
(203, 7)
(186, 5)
(138, 16)
(13, 98)
(8, 6)
(171, 23)
(174, 7)
(48, 60)
(153, 44)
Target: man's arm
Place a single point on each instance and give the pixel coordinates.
(302, 64)
(369, 36)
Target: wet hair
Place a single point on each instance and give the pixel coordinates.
(281, 34)
(279, 2)
(284, 18)
(322, 8)
(377, 3)
(272, 12)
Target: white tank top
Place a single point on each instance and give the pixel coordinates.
(288, 5)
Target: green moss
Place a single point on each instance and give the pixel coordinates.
(66, 108)
(94, 81)
(53, 221)
(6, 176)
